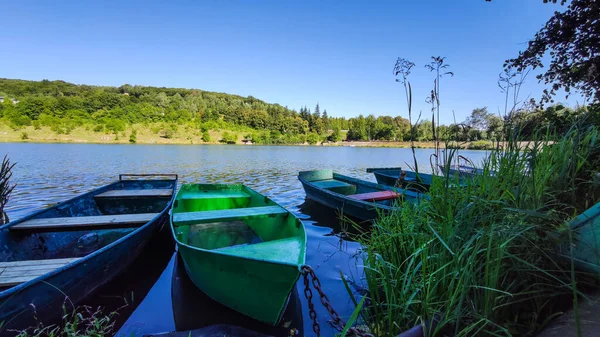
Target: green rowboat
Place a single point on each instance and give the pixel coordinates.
(585, 248)
(357, 198)
(239, 247)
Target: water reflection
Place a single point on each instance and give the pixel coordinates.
(48, 173)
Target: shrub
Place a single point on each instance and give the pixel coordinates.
(228, 138)
(205, 136)
(24, 136)
(133, 137)
(481, 145)
(312, 138)
(482, 257)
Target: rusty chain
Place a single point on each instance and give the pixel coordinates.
(336, 321)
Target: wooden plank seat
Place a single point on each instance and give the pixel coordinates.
(216, 195)
(150, 192)
(375, 196)
(330, 183)
(232, 214)
(336, 186)
(95, 221)
(17, 272)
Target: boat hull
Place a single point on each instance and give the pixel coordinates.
(345, 207)
(585, 249)
(339, 192)
(46, 296)
(254, 288)
(239, 247)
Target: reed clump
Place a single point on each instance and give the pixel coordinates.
(83, 321)
(481, 257)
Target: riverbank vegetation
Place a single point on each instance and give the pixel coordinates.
(482, 260)
(83, 321)
(493, 256)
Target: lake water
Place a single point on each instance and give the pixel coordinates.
(48, 173)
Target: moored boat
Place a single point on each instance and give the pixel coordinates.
(239, 247)
(585, 246)
(392, 176)
(71, 249)
(357, 198)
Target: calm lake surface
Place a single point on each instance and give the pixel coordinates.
(48, 173)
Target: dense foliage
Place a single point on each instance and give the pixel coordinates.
(570, 41)
(481, 259)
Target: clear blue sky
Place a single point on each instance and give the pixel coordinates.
(339, 53)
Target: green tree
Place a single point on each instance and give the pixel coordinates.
(325, 119)
(569, 41)
(133, 137)
(478, 119)
(312, 138)
(205, 136)
(336, 135)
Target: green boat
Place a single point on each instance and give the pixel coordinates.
(362, 200)
(586, 241)
(407, 179)
(239, 247)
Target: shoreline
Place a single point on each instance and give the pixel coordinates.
(146, 137)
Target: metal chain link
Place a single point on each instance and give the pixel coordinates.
(337, 322)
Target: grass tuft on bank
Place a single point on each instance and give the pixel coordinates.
(481, 260)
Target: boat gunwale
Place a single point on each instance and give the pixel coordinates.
(379, 187)
(15, 289)
(302, 236)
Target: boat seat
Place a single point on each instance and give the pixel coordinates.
(77, 222)
(232, 214)
(335, 186)
(215, 195)
(286, 250)
(375, 196)
(17, 272)
(151, 192)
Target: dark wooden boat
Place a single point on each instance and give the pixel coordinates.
(62, 254)
(407, 179)
(352, 197)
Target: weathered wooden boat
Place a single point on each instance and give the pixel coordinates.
(405, 178)
(586, 241)
(61, 254)
(239, 247)
(357, 198)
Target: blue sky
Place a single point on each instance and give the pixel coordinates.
(338, 53)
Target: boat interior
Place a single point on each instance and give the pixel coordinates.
(353, 188)
(236, 220)
(75, 228)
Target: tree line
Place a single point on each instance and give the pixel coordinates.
(63, 106)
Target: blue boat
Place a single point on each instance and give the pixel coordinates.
(463, 170)
(352, 197)
(391, 176)
(60, 255)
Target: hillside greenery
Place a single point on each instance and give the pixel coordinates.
(62, 107)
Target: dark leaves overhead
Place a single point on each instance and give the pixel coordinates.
(570, 41)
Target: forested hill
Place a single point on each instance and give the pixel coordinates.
(64, 106)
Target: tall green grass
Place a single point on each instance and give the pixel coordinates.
(481, 258)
